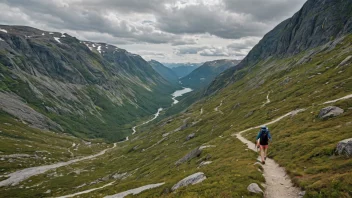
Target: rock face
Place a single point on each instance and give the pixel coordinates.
(330, 111)
(254, 188)
(345, 147)
(13, 105)
(194, 153)
(79, 85)
(190, 180)
(312, 26)
(190, 136)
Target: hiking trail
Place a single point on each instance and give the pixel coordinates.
(278, 183)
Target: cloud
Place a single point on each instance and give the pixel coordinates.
(206, 28)
(215, 51)
(265, 10)
(215, 20)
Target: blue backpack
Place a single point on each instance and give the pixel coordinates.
(264, 137)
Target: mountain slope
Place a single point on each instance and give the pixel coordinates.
(318, 22)
(84, 88)
(205, 74)
(303, 143)
(165, 72)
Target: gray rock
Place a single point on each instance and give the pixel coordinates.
(330, 111)
(190, 180)
(345, 147)
(254, 188)
(190, 136)
(194, 153)
(302, 193)
(346, 61)
(204, 163)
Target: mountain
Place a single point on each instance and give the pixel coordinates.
(84, 88)
(304, 98)
(206, 73)
(310, 27)
(165, 72)
(182, 69)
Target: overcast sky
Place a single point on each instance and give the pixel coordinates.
(164, 30)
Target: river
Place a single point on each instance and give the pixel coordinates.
(179, 93)
(176, 94)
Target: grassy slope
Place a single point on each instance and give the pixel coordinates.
(44, 147)
(303, 144)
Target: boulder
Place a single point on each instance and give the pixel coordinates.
(254, 188)
(345, 147)
(330, 111)
(190, 136)
(190, 180)
(194, 153)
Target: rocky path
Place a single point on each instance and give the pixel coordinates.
(16, 177)
(278, 184)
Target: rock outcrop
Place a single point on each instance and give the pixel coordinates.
(194, 153)
(190, 136)
(345, 147)
(330, 111)
(190, 180)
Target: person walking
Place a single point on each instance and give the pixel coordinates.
(262, 141)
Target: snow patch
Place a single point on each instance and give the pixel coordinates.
(93, 45)
(3, 30)
(43, 34)
(63, 35)
(51, 33)
(57, 39)
(1, 39)
(99, 49)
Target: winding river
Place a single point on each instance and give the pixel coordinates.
(176, 94)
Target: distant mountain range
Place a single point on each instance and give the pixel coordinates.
(167, 73)
(182, 69)
(206, 73)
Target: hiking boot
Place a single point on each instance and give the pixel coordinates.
(263, 162)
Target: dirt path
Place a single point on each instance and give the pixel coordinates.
(278, 184)
(267, 100)
(16, 177)
(343, 98)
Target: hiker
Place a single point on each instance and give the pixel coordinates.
(262, 141)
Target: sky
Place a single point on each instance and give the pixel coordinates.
(169, 31)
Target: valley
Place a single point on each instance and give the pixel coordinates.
(82, 118)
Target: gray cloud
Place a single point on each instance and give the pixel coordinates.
(199, 19)
(265, 10)
(161, 24)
